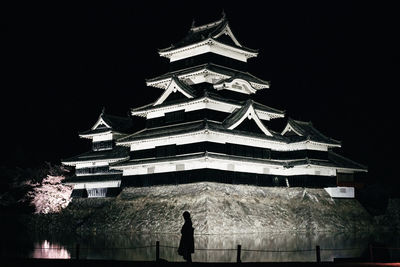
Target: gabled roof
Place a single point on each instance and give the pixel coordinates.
(174, 86)
(236, 83)
(306, 129)
(211, 67)
(243, 113)
(118, 124)
(107, 123)
(213, 30)
(115, 154)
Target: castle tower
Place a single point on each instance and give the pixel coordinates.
(205, 126)
(93, 176)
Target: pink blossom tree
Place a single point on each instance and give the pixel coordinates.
(50, 195)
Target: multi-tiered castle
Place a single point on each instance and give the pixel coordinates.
(205, 127)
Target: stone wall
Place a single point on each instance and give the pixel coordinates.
(390, 221)
(215, 208)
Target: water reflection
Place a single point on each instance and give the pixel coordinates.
(48, 250)
(263, 247)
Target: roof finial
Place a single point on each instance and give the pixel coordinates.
(223, 14)
(103, 110)
(193, 23)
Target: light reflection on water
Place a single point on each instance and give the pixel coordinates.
(263, 247)
(48, 250)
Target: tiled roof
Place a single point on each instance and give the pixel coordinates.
(194, 156)
(96, 131)
(117, 124)
(344, 162)
(95, 178)
(237, 114)
(211, 67)
(164, 131)
(211, 95)
(334, 160)
(334, 163)
(190, 127)
(115, 153)
(201, 33)
(214, 95)
(306, 129)
(184, 86)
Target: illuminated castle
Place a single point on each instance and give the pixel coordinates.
(205, 127)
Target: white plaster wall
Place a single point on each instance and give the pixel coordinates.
(340, 192)
(193, 106)
(227, 165)
(103, 137)
(89, 185)
(91, 164)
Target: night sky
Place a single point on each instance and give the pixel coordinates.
(335, 64)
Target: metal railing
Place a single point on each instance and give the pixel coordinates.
(77, 248)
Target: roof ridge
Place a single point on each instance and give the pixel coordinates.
(274, 109)
(306, 132)
(299, 121)
(208, 25)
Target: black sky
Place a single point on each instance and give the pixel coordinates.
(333, 63)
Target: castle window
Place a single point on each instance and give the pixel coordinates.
(165, 151)
(175, 116)
(97, 192)
(103, 145)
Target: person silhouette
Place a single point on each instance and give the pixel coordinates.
(186, 244)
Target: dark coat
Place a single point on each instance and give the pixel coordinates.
(186, 245)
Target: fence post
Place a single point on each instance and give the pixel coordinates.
(371, 253)
(318, 251)
(239, 250)
(77, 251)
(157, 250)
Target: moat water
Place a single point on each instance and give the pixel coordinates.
(263, 247)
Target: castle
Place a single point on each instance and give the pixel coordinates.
(205, 127)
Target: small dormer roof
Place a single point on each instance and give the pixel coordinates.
(174, 86)
(107, 123)
(307, 130)
(247, 111)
